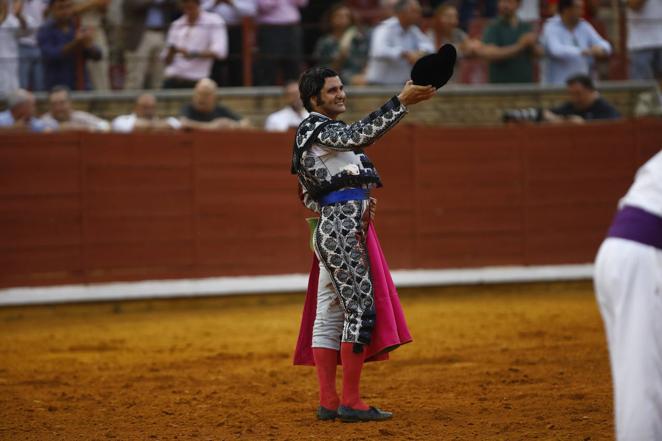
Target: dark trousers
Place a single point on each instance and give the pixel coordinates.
(279, 57)
(178, 83)
(230, 72)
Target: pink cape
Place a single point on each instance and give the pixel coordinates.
(390, 327)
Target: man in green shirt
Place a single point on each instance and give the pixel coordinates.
(510, 46)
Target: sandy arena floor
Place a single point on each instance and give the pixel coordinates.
(503, 363)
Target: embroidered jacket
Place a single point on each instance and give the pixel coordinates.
(328, 154)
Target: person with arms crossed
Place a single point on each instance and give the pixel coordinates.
(396, 44)
(571, 44)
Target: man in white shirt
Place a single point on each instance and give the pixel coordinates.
(20, 114)
(13, 24)
(144, 118)
(290, 116)
(628, 282)
(194, 41)
(62, 116)
(397, 43)
(645, 39)
(571, 44)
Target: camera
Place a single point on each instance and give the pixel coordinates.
(528, 114)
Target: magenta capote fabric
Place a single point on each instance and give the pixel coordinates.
(390, 328)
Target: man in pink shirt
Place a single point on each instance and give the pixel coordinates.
(279, 41)
(194, 41)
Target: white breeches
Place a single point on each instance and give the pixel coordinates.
(628, 282)
(330, 316)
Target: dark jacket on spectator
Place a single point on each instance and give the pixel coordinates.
(600, 109)
(59, 68)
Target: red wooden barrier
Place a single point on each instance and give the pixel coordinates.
(78, 208)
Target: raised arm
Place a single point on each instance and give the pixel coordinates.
(339, 136)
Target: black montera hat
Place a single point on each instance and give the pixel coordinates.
(435, 69)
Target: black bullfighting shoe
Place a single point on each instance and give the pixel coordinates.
(325, 414)
(349, 415)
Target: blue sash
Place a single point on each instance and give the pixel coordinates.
(349, 194)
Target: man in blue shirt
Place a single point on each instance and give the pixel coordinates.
(64, 47)
(571, 44)
(21, 113)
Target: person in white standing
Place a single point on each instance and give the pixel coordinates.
(144, 118)
(396, 44)
(290, 116)
(194, 41)
(645, 39)
(571, 44)
(628, 283)
(13, 24)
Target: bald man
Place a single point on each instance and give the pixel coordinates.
(144, 118)
(204, 112)
(20, 114)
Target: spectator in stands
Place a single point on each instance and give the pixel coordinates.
(20, 114)
(230, 72)
(61, 115)
(571, 44)
(345, 47)
(278, 40)
(30, 68)
(91, 15)
(291, 115)
(203, 113)
(529, 11)
(584, 103)
(510, 46)
(645, 39)
(397, 43)
(63, 46)
(467, 11)
(194, 41)
(144, 118)
(12, 24)
(144, 31)
(445, 30)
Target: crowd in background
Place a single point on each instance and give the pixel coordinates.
(153, 44)
(62, 45)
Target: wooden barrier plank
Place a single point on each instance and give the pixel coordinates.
(469, 186)
(39, 231)
(26, 264)
(266, 255)
(45, 205)
(143, 229)
(135, 149)
(139, 202)
(648, 138)
(468, 249)
(45, 167)
(99, 178)
(87, 207)
(139, 254)
(575, 176)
